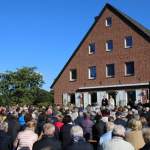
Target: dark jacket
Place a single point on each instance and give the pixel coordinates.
(98, 130)
(12, 122)
(120, 121)
(5, 142)
(65, 135)
(146, 147)
(48, 143)
(41, 121)
(87, 125)
(78, 121)
(104, 102)
(79, 145)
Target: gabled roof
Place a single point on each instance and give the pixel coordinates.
(144, 32)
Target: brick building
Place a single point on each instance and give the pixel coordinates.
(113, 59)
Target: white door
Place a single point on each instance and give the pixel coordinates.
(85, 99)
(78, 99)
(121, 98)
(100, 96)
(65, 98)
(89, 99)
(138, 96)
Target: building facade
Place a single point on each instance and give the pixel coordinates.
(113, 59)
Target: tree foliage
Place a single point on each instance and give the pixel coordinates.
(44, 98)
(21, 86)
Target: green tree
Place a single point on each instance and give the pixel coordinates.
(20, 86)
(44, 98)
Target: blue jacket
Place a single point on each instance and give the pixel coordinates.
(21, 120)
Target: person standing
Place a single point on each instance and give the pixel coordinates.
(87, 125)
(26, 138)
(118, 142)
(104, 101)
(135, 136)
(48, 141)
(99, 128)
(111, 103)
(65, 136)
(13, 122)
(5, 139)
(119, 119)
(78, 142)
(146, 135)
(108, 135)
(21, 120)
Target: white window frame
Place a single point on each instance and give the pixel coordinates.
(70, 75)
(125, 42)
(90, 52)
(107, 71)
(106, 22)
(89, 73)
(106, 45)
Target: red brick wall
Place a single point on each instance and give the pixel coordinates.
(140, 54)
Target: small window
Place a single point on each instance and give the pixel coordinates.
(108, 22)
(128, 42)
(92, 72)
(92, 48)
(73, 74)
(110, 70)
(129, 68)
(109, 45)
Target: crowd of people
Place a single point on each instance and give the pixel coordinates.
(72, 128)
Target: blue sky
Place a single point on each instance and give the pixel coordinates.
(44, 33)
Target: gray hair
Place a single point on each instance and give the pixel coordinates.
(76, 131)
(119, 130)
(110, 126)
(49, 129)
(4, 126)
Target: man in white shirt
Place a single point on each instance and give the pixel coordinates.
(118, 142)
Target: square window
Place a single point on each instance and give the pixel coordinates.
(92, 48)
(129, 68)
(109, 45)
(92, 72)
(110, 70)
(108, 22)
(128, 42)
(73, 74)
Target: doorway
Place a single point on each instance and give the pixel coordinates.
(72, 98)
(131, 95)
(93, 98)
